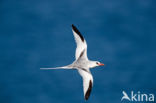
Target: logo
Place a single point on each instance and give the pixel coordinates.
(138, 96)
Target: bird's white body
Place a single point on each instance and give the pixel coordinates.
(81, 63)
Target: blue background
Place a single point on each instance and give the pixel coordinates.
(37, 33)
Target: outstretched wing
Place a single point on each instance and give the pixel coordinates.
(81, 43)
(87, 82)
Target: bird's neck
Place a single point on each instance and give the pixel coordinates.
(91, 64)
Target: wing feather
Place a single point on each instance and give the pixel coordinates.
(87, 82)
(80, 42)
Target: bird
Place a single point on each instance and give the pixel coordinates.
(82, 63)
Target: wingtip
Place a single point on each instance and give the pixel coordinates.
(88, 91)
(73, 26)
(78, 32)
(86, 98)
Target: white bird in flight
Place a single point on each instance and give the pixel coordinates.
(82, 63)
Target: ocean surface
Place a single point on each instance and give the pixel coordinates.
(37, 33)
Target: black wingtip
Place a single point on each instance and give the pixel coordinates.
(72, 25)
(77, 31)
(88, 91)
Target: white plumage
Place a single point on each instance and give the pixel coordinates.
(81, 63)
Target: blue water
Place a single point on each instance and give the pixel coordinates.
(37, 33)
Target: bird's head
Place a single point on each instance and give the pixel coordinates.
(95, 64)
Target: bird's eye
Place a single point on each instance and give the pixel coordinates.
(97, 63)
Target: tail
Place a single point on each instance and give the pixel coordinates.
(64, 67)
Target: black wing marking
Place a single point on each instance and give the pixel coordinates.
(85, 70)
(82, 53)
(77, 31)
(89, 90)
